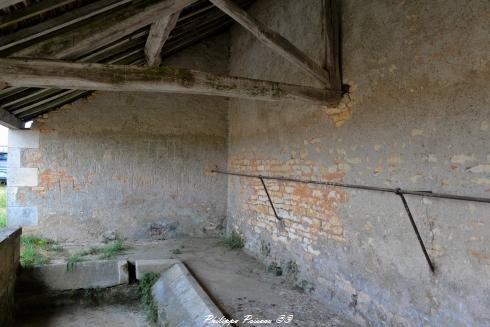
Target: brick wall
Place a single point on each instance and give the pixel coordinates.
(416, 117)
(127, 164)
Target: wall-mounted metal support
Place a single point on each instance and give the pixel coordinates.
(416, 230)
(400, 192)
(269, 197)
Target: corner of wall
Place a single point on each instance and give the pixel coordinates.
(19, 177)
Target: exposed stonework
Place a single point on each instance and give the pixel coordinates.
(416, 117)
(130, 163)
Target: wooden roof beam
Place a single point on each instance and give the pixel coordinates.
(10, 121)
(273, 40)
(85, 76)
(8, 3)
(159, 33)
(33, 10)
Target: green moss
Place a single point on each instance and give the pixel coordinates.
(144, 289)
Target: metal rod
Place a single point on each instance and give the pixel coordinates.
(412, 221)
(363, 187)
(269, 197)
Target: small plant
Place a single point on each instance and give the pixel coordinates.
(144, 289)
(73, 260)
(29, 256)
(176, 251)
(110, 250)
(3, 206)
(275, 269)
(234, 241)
(33, 250)
(304, 286)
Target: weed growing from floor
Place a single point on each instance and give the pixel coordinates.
(144, 289)
(35, 250)
(104, 252)
(111, 250)
(3, 206)
(73, 260)
(234, 241)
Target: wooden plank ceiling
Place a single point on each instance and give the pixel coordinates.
(96, 31)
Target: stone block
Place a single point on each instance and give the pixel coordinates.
(83, 275)
(22, 216)
(23, 139)
(181, 301)
(13, 159)
(22, 176)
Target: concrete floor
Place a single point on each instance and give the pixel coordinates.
(238, 283)
(78, 316)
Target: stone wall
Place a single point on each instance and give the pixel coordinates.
(416, 117)
(9, 262)
(131, 164)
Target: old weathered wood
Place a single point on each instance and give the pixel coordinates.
(3, 85)
(331, 25)
(159, 33)
(84, 76)
(32, 11)
(273, 40)
(9, 120)
(123, 27)
(70, 18)
(8, 3)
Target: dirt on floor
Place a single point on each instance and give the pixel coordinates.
(239, 284)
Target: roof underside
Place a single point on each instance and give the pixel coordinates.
(196, 22)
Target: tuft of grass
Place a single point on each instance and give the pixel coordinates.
(110, 250)
(234, 241)
(3, 206)
(30, 256)
(144, 289)
(73, 260)
(34, 250)
(104, 252)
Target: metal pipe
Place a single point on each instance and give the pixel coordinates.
(363, 187)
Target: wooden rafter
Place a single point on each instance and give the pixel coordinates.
(9, 120)
(8, 3)
(159, 33)
(273, 40)
(30, 34)
(84, 76)
(331, 25)
(32, 11)
(122, 18)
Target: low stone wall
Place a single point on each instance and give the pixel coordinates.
(9, 262)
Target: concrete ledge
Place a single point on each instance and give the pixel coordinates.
(90, 274)
(181, 301)
(156, 266)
